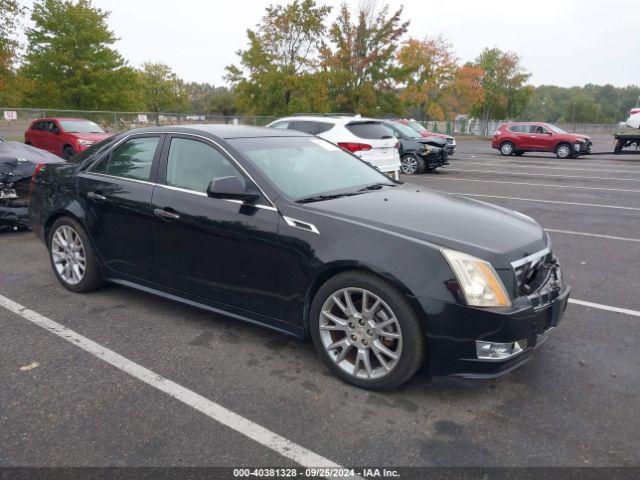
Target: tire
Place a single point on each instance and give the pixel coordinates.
(80, 280)
(412, 165)
(564, 150)
(68, 152)
(507, 148)
(360, 335)
(519, 153)
(618, 148)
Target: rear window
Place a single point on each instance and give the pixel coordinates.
(369, 130)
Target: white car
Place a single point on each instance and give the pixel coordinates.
(634, 118)
(366, 138)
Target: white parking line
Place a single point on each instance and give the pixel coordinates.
(596, 235)
(213, 410)
(553, 168)
(599, 306)
(541, 174)
(595, 205)
(534, 184)
(579, 163)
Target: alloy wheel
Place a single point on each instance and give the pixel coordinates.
(69, 257)
(564, 151)
(409, 165)
(361, 333)
(506, 148)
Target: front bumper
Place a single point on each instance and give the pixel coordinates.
(453, 329)
(435, 159)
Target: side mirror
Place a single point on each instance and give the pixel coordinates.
(230, 188)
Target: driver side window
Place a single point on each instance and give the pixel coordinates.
(192, 165)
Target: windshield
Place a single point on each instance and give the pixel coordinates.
(416, 126)
(404, 130)
(554, 128)
(80, 126)
(302, 167)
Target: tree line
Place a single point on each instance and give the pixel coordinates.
(295, 60)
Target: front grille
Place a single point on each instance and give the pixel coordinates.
(539, 278)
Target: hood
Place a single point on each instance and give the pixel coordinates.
(18, 161)
(434, 141)
(92, 137)
(579, 135)
(492, 233)
(434, 134)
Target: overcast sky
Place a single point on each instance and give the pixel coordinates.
(561, 42)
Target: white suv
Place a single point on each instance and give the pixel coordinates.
(366, 138)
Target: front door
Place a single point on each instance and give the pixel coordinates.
(541, 138)
(117, 193)
(223, 251)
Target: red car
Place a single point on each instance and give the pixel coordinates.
(518, 138)
(64, 136)
(451, 142)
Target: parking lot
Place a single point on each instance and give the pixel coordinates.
(574, 404)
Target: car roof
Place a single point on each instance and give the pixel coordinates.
(62, 118)
(328, 118)
(225, 132)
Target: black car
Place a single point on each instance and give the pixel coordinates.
(418, 154)
(285, 230)
(17, 164)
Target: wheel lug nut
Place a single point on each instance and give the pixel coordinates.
(369, 332)
(365, 342)
(361, 322)
(352, 325)
(353, 337)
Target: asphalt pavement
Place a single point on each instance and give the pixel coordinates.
(574, 404)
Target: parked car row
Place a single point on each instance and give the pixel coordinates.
(388, 145)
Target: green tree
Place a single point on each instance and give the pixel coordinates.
(503, 83)
(162, 90)
(10, 86)
(70, 59)
(359, 58)
(278, 67)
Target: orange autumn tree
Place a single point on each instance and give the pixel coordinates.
(426, 68)
(464, 91)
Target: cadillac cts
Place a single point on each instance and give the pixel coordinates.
(286, 230)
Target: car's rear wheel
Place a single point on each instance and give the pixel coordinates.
(412, 165)
(507, 148)
(68, 152)
(72, 258)
(564, 151)
(366, 331)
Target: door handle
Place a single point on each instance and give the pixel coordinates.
(96, 196)
(166, 215)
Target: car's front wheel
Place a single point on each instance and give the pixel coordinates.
(564, 151)
(507, 148)
(68, 152)
(412, 165)
(72, 258)
(366, 331)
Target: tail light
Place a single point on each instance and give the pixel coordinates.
(354, 147)
(32, 185)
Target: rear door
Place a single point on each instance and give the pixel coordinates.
(383, 153)
(117, 195)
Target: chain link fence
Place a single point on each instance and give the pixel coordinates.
(15, 121)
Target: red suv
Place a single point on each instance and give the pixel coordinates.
(520, 137)
(64, 136)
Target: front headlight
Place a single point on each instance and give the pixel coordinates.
(479, 281)
(86, 143)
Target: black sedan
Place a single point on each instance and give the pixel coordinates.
(285, 230)
(418, 154)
